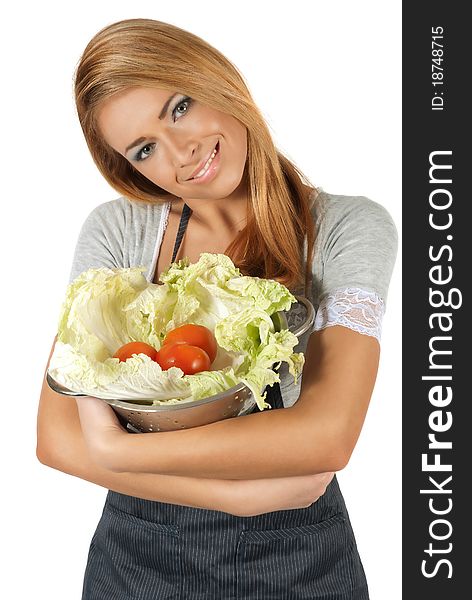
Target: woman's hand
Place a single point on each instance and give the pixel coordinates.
(257, 496)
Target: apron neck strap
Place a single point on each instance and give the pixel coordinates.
(184, 217)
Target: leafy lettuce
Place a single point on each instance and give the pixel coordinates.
(106, 308)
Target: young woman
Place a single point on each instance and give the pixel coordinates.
(247, 507)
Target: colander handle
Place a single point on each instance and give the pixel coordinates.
(310, 316)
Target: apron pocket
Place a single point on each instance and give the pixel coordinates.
(311, 561)
(132, 559)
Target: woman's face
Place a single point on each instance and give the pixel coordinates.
(171, 139)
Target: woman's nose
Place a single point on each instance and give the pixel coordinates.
(182, 150)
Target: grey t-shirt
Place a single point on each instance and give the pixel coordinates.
(354, 254)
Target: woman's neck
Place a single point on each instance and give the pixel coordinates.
(216, 216)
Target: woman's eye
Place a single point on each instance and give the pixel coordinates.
(182, 107)
(144, 152)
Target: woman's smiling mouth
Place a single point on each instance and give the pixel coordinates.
(206, 172)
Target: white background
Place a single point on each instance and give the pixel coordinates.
(327, 78)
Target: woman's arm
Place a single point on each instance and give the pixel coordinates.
(316, 435)
(61, 445)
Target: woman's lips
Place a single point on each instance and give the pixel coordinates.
(210, 169)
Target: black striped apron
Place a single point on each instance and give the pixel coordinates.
(145, 550)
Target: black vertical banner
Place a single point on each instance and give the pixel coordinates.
(437, 327)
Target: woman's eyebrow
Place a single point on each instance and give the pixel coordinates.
(166, 106)
(161, 116)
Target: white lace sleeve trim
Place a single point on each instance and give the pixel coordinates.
(354, 308)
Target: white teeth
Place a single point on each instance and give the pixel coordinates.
(207, 164)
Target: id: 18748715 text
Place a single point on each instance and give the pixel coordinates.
(437, 68)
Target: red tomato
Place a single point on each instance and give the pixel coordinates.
(190, 359)
(194, 335)
(131, 348)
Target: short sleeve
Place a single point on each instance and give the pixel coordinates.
(357, 247)
(101, 240)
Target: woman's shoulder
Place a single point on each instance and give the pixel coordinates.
(117, 233)
(118, 210)
(356, 243)
(332, 210)
(122, 221)
(343, 221)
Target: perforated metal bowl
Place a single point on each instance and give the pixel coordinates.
(233, 402)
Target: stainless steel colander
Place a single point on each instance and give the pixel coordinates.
(233, 402)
